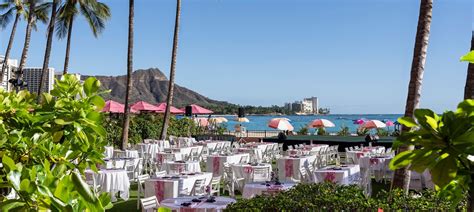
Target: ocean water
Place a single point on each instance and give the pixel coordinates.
(340, 120)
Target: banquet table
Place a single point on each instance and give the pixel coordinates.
(118, 163)
(215, 163)
(219, 205)
(153, 148)
(289, 166)
(176, 167)
(112, 181)
(185, 151)
(161, 156)
(354, 155)
(253, 189)
(344, 175)
(169, 186)
(109, 151)
(246, 171)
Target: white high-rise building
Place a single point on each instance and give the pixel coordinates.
(307, 106)
(11, 66)
(33, 76)
(314, 104)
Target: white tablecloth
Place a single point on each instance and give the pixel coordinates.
(344, 175)
(161, 156)
(153, 148)
(185, 151)
(112, 181)
(189, 166)
(289, 167)
(169, 188)
(366, 151)
(109, 151)
(175, 204)
(215, 163)
(246, 171)
(253, 189)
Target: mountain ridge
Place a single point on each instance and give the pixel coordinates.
(151, 85)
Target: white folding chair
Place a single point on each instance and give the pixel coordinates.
(149, 204)
(141, 190)
(215, 186)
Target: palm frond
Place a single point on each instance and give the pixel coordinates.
(42, 11)
(6, 17)
(96, 14)
(5, 6)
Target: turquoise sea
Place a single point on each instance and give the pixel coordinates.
(260, 122)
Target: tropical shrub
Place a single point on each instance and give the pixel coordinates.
(382, 132)
(445, 146)
(303, 130)
(344, 131)
(46, 147)
(322, 131)
(361, 131)
(334, 197)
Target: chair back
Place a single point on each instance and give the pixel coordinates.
(199, 187)
(149, 203)
(261, 174)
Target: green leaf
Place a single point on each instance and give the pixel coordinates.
(444, 171)
(164, 209)
(91, 86)
(8, 162)
(401, 160)
(62, 122)
(432, 122)
(83, 188)
(469, 57)
(407, 121)
(25, 184)
(11, 204)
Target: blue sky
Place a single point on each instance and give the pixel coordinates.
(354, 55)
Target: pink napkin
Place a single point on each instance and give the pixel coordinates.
(216, 163)
(248, 169)
(359, 154)
(330, 177)
(160, 190)
(288, 168)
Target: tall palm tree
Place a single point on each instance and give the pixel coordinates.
(169, 99)
(49, 43)
(469, 88)
(12, 7)
(401, 177)
(126, 120)
(36, 11)
(96, 13)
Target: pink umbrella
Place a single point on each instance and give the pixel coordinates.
(173, 110)
(359, 121)
(198, 110)
(144, 106)
(373, 124)
(280, 124)
(389, 123)
(114, 107)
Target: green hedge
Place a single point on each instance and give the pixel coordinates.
(333, 197)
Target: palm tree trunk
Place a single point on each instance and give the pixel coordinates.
(126, 120)
(9, 47)
(49, 44)
(68, 45)
(469, 88)
(169, 99)
(401, 177)
(26, 45)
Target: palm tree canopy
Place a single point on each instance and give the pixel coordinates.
(96, 13)
(13, 7)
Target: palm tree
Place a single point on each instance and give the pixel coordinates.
(12, 7)
(469, 88)
(96, 13)
(126, 120)
(401, 177)
(49, 43)
(36, 11)
(169, 99)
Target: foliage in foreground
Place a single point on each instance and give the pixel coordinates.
(46, 147)
(445, 147)
(333, 197)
